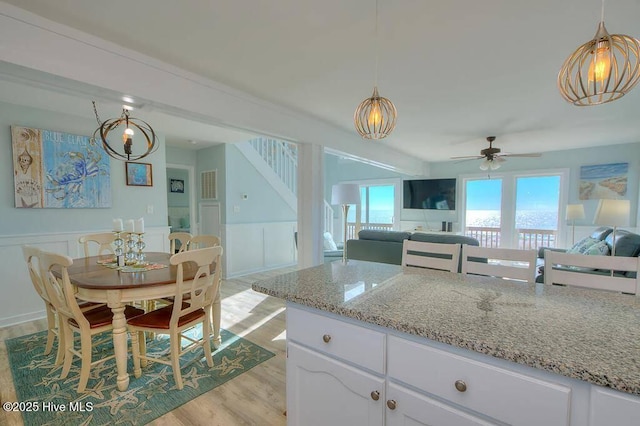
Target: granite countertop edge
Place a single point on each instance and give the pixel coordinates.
(571, 370)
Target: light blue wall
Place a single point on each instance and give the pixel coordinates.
(263, 204)
(186, 157)
(178, 199)
(571, 159)
(127, 201)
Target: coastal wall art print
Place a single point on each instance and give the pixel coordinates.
(59, 170)
(603, 181)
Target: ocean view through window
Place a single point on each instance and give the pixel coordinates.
(377, 208)
(528, 220)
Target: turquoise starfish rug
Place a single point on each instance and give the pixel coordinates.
(40, 389)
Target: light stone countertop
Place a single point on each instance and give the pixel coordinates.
(584, 334)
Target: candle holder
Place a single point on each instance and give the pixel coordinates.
(118, 242)
(130, 256)
(140, 245)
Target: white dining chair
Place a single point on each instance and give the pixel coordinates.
(178, 241)
(578, 270)
(103, 241)
(32, 257)
(431, 255)
(203, 241)
(71, 318)
(180, 316)
(513, 264)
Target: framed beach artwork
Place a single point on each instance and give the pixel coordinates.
(59, 170)
(139, 174)
(604, 181)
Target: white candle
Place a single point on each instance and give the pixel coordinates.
(139, 226)
(128, 225)
(117, 225)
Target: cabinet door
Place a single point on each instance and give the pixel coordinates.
(409, 408)
(322, 391)
(609, 407)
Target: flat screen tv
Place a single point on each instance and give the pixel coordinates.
(431, 194)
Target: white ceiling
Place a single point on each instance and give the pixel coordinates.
(457, 70)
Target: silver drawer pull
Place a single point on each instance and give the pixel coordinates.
(391, 404)
(375, 395)
(326, 338)
(461, 386)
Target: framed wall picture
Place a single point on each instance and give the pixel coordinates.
(59, 170)
(603, 181)
(139, 174)
(176, 185)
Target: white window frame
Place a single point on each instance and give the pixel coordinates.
(508, 237)
(397, 197)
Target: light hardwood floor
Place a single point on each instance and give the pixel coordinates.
(256, 397)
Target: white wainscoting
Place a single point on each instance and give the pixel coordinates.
(20, 301)
(254, 247)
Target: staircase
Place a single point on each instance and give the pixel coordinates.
(277, 161)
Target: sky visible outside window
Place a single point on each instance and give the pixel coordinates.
(377, 204)
(537, 201)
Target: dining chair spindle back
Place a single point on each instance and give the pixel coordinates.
(192, 305)
(103, 241)
(71, 318)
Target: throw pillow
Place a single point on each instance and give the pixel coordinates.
(184, 222)
(601, 248)
(329, 244)
(582, 246)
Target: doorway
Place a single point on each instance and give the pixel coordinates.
(181, 196)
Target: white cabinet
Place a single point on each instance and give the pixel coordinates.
(502, 394)
(322, 391)
(406, 407)
(607, 405)
(343, 372)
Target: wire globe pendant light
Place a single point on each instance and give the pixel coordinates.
(132, 126)
(375, 117)
(602, 70)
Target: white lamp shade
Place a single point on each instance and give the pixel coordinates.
(345, 193)
(613, 213)
(575, 212)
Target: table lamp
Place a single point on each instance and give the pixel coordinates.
(574, 211)
(345, 194)
(613, 213)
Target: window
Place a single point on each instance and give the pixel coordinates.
(378, 207)
(515, 210)
(483, 210)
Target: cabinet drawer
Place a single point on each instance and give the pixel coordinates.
(502, 394)
(412, 408)
(353, 343)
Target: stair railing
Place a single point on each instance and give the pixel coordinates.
(282, 157)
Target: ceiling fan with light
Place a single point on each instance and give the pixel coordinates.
(493, 157)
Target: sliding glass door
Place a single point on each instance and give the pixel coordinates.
(515, 210)
(483, 211)
(378, 209)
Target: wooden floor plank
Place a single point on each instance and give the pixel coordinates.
(256, 397)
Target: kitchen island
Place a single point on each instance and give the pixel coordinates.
(372, 343)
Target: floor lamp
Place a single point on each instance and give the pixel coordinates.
(613, 213)
(574, 212)
(345, 194)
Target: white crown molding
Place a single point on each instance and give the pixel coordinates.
(37, 43)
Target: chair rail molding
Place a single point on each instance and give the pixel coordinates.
(25, 304)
